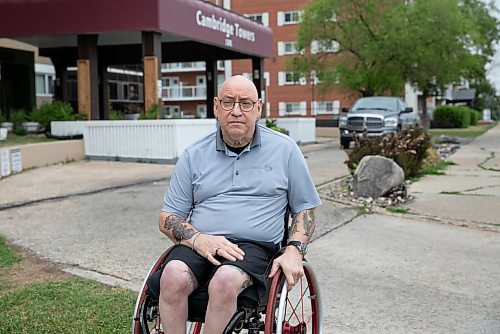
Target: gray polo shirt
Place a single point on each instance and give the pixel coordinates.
(241, 196)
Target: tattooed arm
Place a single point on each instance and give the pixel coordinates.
(303, 225)
(177, 229)
(209, 246)
(301, 229)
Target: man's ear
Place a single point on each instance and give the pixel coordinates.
(216, 108)
(259, 104)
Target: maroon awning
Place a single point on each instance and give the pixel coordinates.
(56, 23)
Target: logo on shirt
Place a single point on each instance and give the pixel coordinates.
(261, 169)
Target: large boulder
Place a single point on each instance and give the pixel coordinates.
(376, 175)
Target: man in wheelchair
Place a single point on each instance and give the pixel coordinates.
(224, 210)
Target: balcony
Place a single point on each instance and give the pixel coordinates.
(184, 93)
(192, 66)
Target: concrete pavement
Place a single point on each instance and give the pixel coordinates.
(469, 193)
(378, 273)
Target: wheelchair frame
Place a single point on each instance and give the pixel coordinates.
(274, 310)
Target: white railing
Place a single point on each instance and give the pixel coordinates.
(302, 130)
(191, 66)
(144, 140)
(158, 140)
(185, 66)
(182, 92)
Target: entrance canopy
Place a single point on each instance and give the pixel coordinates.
(55, 23)
(94, 34)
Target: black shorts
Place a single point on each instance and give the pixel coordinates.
(255, 262)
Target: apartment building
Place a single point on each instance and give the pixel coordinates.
(284, 94)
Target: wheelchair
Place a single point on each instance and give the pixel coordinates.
(279, 311)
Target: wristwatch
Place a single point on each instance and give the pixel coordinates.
(302, 247)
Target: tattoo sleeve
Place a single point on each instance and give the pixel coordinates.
(176, 228)
(303, 225)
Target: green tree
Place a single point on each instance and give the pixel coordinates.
(449, 40)
(359, 27)
(385, 43)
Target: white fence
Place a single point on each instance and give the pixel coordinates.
(157, 140)
(303, 130)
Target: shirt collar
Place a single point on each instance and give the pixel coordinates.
(221, 146)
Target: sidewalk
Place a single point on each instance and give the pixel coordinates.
(469, 193)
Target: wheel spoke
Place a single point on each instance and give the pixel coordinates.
(294, 308)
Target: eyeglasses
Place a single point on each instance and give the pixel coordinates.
(245, 105)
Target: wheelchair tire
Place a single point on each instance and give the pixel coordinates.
(297, 311)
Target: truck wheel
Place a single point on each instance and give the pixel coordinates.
(345, 143)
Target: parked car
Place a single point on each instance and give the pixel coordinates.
(378, 116)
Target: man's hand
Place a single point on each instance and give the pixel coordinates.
(291, 264)
(211, 246)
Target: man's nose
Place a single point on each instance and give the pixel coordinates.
(236, 112)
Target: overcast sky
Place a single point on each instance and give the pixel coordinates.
(493, 73)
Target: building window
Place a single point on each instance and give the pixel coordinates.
(262, 18)
(292, 108)
(290, 78)
(287, 48)
(325, 107)
(172, 111)
(290, 17)
(324, 47)
(44, 84)
(113, 90)
(201, 111)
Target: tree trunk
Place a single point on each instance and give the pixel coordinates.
(426, 122)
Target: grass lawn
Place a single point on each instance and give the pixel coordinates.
(470, 132)
(70, 305)
(13, 140)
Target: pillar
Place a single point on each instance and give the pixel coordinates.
(258, 75)
(151, 52)
(103, 91)
(87, 76)
(211, 76)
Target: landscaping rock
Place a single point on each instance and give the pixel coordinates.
(376, 176)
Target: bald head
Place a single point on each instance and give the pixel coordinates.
(239, 81)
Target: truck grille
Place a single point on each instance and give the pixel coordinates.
(360, 123)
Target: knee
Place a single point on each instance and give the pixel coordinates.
(226, 284)
(177, 280)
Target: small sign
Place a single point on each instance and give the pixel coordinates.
(487, 115)
(4, 162)
(16, 161)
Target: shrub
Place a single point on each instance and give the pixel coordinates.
(458, 116)
(151, 113)
(475, 116)
(115, 115)
(408, 149)
(18, 118)
(271, 124)
(54, 111)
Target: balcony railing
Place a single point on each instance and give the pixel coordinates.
(185, 93)
(191, 66)
(181, 92)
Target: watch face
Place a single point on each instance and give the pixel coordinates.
(300, 246)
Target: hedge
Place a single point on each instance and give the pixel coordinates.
(456, 116)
